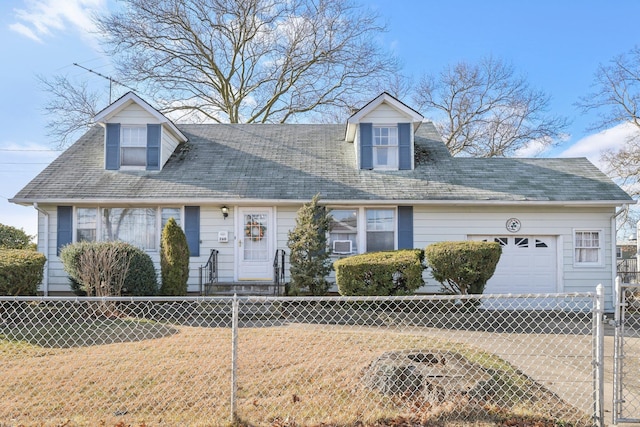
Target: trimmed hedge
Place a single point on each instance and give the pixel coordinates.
(380, 273)
(21, 271)
(463, 267)
(141, 279)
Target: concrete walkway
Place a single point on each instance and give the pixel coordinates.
(560, 362)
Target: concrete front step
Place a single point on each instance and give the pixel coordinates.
(243, 288)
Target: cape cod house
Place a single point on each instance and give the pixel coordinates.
(388, 178)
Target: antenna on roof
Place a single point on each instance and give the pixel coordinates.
(104, 77)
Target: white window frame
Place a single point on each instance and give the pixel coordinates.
(138, 143)
(99, 228)
(600, 247)
(393, 145)
(364, 210)
(356, 246)
(76, 223)
(361, 236)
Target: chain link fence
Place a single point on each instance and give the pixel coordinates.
(299, 361)
(627, 354)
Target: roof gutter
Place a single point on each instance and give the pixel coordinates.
(325, 201)
(45, 278)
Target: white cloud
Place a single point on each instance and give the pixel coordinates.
(533, 148)
(40, 18)
(592, 146)
(25, 31)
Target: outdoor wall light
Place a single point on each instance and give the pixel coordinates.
(225, 212)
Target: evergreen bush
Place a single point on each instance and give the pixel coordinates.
(21, 271)
(380, 273)
(309, 259)
(463, 267)
(174, 260)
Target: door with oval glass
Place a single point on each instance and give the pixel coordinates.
(254, 245)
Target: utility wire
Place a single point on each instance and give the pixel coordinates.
(29, 150)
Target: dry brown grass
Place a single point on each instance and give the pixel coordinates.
(295, 375)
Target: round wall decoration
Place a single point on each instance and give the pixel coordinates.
(513, 225)
(254, 230)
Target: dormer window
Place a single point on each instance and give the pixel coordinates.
(382, 132)
(133, 146)
(385, 147)
(144, 144)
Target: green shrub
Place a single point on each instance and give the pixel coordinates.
(310, 257)
(174, 260)
(21, 271)
(140, 277)
(463, 267)
(14, 238)
(380, 273)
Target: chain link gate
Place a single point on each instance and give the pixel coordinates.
(626, 357)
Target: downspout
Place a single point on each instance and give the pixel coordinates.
(614, 241)
(45, 279)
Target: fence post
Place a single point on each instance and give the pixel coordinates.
(234, 358)
(599, 356)
(617, 351)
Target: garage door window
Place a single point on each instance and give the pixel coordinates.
(588, 247)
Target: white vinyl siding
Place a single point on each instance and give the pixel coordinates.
(441, 223)
(432, 223)
(384, 114)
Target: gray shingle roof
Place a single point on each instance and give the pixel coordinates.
(295, 161)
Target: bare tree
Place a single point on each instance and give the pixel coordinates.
(616, 98)
(248, 60)
(71, 106)
(487, 110)
(617, 91)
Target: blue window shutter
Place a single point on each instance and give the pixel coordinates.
(192, 229)
(404, 146)
(153, 147)
(405, 227)
(366, 146)
(65, 226)
(112, 149)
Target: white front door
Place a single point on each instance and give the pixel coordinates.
(254, 244)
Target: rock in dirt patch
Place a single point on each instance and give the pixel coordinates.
(433, 376)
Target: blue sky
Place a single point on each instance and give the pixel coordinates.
(556, 44)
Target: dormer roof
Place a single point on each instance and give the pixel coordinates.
(384, 98)
(125, 101)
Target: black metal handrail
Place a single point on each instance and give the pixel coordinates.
(209, 271)
(278, 271)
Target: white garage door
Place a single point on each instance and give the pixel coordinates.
(528, 265)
